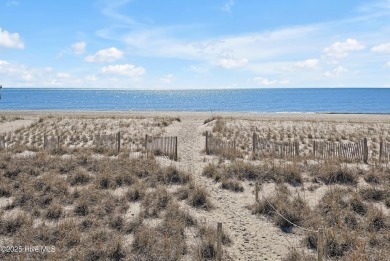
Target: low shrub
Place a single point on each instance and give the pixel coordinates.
(171, 175)
(232, 185)
(373, 194)
(198, 198)
(54, 212)
(80, 177)
(336, 174)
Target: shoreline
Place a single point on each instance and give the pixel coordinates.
(330, 116)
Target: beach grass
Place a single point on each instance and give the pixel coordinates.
(91, 202)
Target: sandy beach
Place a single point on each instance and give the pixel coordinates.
(253, 233)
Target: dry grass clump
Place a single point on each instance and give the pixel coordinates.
(242, 171)
(199, 198)
(331, 172)
(135, 192)
(171, 175)
(266, 171)
(295, 255)
(54, 211)
(374, 194)
(5, 191)
(284, 209)
(167, 240)
(85, 202)
(373, 178)
(80, 177)
(40, 192)
(349, 226)
(156, 201)
(158, 243)
(212, 171)
(196, 196)
(229, 154)
(232, 185)
(282, 172)
(207, 248)
(11, 225)
(211, 119)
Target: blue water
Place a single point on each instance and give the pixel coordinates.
(335, 100)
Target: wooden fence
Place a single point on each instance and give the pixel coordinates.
(272, 148)
(51, 142)
(215, 145)
(321, 149)
(347, 151)
(2, 143)
(384, 151)
(100, 142)
(110, 141)
(164, 146)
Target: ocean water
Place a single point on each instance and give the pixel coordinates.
(327, 100)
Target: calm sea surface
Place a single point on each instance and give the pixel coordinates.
(340, 100)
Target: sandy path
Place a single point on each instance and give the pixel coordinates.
(254, 237)
(14, 125)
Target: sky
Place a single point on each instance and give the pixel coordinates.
(194, 44)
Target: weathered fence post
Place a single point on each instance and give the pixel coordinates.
(296, 148)
(207, 142)
(254, 140)
(146, 145)
(219, 241)
(314, 148)
(365, 150)
(58, 141)
(44, 141)
(381, 147)
(118, 142)
(320, 244)
(257, 191)
(176, 148)
(254, 143)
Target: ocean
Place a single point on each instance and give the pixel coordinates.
(307, 100)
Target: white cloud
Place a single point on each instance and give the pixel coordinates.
(309, 64)
(10, 40)
(257, 46)
(335, 72)
(388, 64)
(27, 76)
(91, 78)
(382, 48)
(79, 47)
(105, 56)
(266, 82)
(169, 78)
(228, 6)
(129, 70)
(200, 68)
(342, 49)
(17, 72)
(63, 75)
(231, 63)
